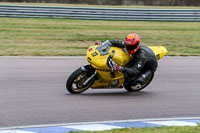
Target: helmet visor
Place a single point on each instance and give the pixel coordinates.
(131, 47)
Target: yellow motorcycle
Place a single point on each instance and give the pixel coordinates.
(98, 75)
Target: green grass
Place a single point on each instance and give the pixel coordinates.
(151, 130)
(51, 37)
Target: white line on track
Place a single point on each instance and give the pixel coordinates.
(103, 122)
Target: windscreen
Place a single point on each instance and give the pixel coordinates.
(104, 48)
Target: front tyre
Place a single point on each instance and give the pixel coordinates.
(76, 82)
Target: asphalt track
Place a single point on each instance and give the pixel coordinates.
(32, 92)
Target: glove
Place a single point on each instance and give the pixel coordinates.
(117, 67)
(97, 43)
(113, 65)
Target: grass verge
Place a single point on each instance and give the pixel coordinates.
(151, 130)
(60, 37)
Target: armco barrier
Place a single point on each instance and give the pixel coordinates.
(92, 13)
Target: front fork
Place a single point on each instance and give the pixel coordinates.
(91, 71)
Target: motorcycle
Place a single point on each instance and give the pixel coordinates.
(98, 74)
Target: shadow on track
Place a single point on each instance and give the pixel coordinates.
(114, 94)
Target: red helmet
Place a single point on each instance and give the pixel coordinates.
(132, 43)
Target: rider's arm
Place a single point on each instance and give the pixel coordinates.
(117, 43)
(137, 67)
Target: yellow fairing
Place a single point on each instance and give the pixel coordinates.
(106, 80)
(99, 61)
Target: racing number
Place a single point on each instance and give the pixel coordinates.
(94, 54)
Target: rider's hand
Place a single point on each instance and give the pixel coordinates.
(117, 67)
(113, 65)
(97, 43)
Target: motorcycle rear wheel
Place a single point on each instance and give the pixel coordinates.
(75, 82)
(133, 88)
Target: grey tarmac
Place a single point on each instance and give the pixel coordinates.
(32, 92)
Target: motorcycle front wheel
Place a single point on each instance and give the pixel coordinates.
(75, 82)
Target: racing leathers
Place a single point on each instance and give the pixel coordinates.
(143, 64)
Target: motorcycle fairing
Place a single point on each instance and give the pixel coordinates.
(97, 57)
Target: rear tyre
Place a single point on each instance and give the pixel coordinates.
(75, 82)
(138, 86)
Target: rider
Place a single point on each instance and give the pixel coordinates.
(143, 64)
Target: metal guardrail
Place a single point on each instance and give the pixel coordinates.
(91, 13)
